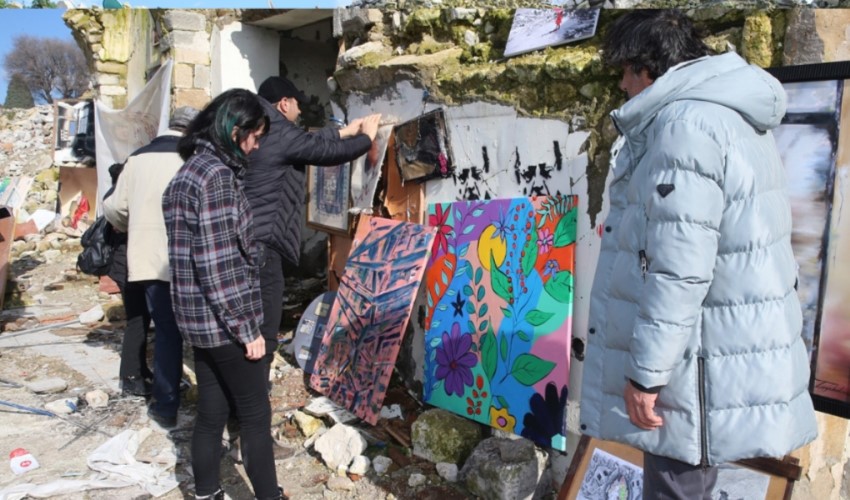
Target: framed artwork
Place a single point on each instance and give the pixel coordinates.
(499, 296)
(422, 147)
(534, 29)
(812, 141)
(328, 198)
(368, 319)
(604, 469)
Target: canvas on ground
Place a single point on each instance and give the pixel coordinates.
(499, 292)
(376, 292)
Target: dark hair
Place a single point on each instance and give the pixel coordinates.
(238, 108)
(654, 40)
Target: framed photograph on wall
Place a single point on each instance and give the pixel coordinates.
(605, 469)
(328, 198)
(812, 141)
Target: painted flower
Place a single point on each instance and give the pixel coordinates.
(501, 419)
(455, 361)
(438, 220)
(545, 423)
(551, 268)
(544, 240)
(501, 226)
(458, 305)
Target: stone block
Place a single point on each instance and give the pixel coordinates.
(487, 475)
(112, 90)
(182, 55)
(183, 76)
(108, 79)
(306, 423)
(97, 398)
(351, 56)
(360, 465)
(447, 471)
(184, 20)
(191, 40)
(381, 464)
(440, 436)
(47, 385)
(195, 98)
(202, 76)
(110, 67)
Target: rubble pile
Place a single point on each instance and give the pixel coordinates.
(25, 140)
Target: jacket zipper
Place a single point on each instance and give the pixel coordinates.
(703, 428)
(644, 266)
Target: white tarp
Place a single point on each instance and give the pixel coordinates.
(120, 132)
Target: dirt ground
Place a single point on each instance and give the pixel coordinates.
(42, 339)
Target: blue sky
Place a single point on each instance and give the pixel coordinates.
(48, 22)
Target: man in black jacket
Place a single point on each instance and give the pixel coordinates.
(275, 185)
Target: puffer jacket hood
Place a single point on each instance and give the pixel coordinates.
(726, 80)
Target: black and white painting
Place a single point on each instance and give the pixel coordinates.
(609, 476)
(534, 29)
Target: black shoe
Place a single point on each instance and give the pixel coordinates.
(162, 420)
(135, 386)
(218, 495)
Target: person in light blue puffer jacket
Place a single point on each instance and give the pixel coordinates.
(695, 351)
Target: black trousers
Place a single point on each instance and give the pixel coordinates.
(134, 345)
(226, 379)
(272, 285)
(668, 479)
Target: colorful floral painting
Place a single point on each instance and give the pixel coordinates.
(499, 292)
(376, 292)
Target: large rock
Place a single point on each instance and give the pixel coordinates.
(507, 469)
(440, 436)
(47, 385)
(308, 425)
(340, 445)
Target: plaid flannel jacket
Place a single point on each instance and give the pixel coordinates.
(214, 263)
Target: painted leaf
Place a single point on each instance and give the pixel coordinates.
(470, 307)
(507, 312)
(451, 292)
(471, 326)
(502, 401)
(479, 273)
(435, 342)
(468, 229)
(565, 231)
(523, 336)
(477, 212)
(430, 301)
(484, 324)
(450, 265)
(437, 288)
(503, 347)
(462, 253)
(444, 277)
(499, 281)
(530, 257)
(435, 324)
(480, 295)
(467, 290)
(443, 307)
(536, 317)
(528, 369)
(482, 311)
(560, 287)
(488, 354)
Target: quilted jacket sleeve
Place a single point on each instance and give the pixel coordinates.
(683, 202)
(323, 148)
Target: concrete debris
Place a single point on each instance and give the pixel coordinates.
(416, 479)
(393, 411)
(360, 465)
(47, 386)
(319, 432)
(64, 406)
(97, 398)
(381, 464)
(440, 436)
(93, 315)
(340, 445)
(307, 424)
(447, 471)
(337, 483)
(524, 476)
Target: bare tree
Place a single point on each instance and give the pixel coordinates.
(48, 65)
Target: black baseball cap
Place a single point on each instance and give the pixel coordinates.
(275, 88)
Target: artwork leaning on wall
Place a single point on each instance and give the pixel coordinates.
(499, 295)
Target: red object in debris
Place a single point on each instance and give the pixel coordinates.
(559, 17)
(25, 229)
(82, 210)
(108, 285)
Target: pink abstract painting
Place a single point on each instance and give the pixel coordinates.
(370, 315)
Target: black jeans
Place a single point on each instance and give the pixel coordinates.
(134, 345)
(272, 285)
(668, 479)
(226, 379)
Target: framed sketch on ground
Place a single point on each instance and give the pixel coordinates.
(812, 141)
(328, 198)
(604, 469)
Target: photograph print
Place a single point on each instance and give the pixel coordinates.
(534, 29)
